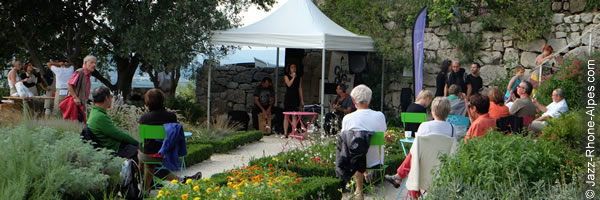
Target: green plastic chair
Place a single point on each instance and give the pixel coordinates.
(155, 132)
(408, 117)
(377, 139)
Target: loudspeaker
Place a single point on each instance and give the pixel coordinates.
(295, 56)
(330, 88)
(357, 62)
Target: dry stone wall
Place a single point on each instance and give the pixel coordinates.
(500, 51)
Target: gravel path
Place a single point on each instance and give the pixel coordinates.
(219, 162)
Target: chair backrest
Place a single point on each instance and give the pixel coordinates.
(425, 157)
(460, 122)
(408, 117)
(377, 140)
(151, 132)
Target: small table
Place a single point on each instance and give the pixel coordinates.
(25, 105)
(302, 132)
(408, 141)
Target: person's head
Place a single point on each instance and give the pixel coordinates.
(455, 66)
(475, 68)
(424, 98)
(290, 69)
(496, 96)
(440, 108)
(154, 99)
(558, 95)
(519, 71)
(479, 103)
(17, 64)
(89, 63)
(266, 82)
(341, 88)
(102, 97)
(547, 49)
(524, 88)
(445, 66)
(29, 68)
(361, 95)
(454, 89)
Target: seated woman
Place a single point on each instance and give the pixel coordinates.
(423, 100)
(440, 109)
(157, 115)
(497, 107)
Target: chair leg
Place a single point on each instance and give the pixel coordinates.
(402, 188)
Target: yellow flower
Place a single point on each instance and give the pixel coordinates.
(161, 192)
(197, 198)
(174, 181)
(188, 181)
(184, 196)
(239, 193)
(159, 195)
(206, 179)
(208, 190)
(168, 192)
(278, 190)
(196, 188)
(217, 188)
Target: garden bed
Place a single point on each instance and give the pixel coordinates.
(200, 149)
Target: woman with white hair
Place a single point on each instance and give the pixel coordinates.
(440, 109)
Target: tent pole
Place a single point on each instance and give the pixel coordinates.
(382, 77)
(276, 76)
(208, 96)
(322, 86)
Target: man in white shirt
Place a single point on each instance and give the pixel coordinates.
(62, 74)
(553, 110)
(365, 119)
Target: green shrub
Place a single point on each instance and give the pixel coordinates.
(316, 160)
(495, 163)
(467, 44)
(192, 112)
(42, 163)
(231, 142)
(198, 153)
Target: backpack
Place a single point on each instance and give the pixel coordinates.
(87, 135)
(131, 181)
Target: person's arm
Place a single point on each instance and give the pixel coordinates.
(12, 76)
(110, 130)
(300, 92)
(510, 84)
(257, 103)
(445, 89)
(71, 87)
(469, 88)
(542, 118)
(515, 107)
(539, 106)
(288, 82)
(541, 58)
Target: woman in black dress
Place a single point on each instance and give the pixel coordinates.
(293, 95)
(440, 80)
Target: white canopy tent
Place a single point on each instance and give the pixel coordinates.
(296, 24)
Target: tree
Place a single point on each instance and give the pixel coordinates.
(123, 34)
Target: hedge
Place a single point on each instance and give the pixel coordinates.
(232, 142)
(198, 153)
(313, 187)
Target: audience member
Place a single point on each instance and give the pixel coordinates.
(109, 136)
(442, 77)
(457, 103)
(474, 81)
(481, 121)
(440, 108)
(364, 119)
(62, 72)
(534, 79)
(457, 77)
(513, 83)
(73, 106)
(523, 107)
(157, 115)
(423, 100)
(31, 79)
(13, 77)
(497, 107)
(553, 110)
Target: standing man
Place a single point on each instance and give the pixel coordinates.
(474, 81)
(457, 76)
(73, 106)
(264, 98)
(62, 73)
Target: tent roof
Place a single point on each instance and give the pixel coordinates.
(296, 24)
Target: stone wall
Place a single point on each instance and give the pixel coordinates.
(500, 51)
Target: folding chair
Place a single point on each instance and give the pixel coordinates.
(155, 132)
(460, 122)
(377, 140)
(408, 117)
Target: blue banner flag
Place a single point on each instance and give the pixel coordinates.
(418, 55)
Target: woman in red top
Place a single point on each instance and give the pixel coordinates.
(497, 107)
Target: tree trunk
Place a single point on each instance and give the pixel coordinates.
(126, 68)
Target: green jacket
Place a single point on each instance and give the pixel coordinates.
(108, 134)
